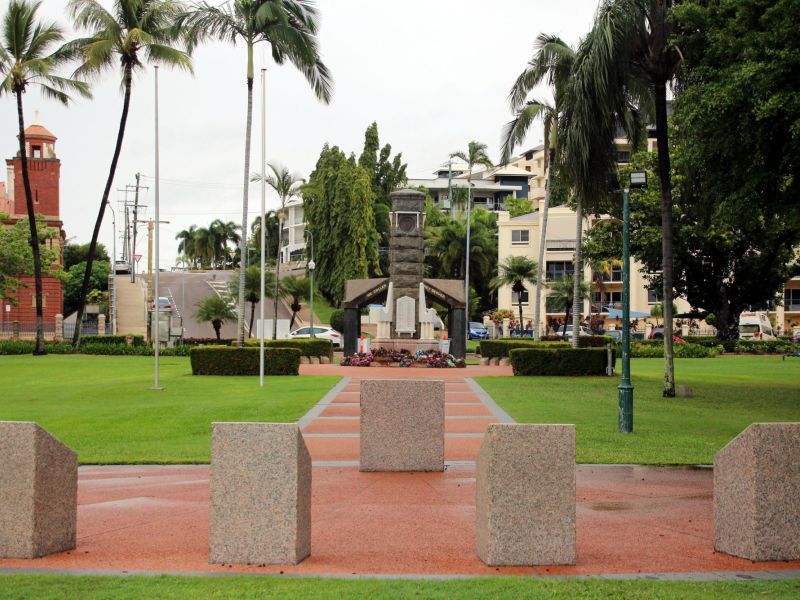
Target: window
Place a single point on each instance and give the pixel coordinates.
(520, 236)
(36, 151)
(791, 299)
(615, 275)
(609, 298)
(44, 300)
(515, 298)
(623, 156)
(552, 306)
(653, 296)
(559, 270)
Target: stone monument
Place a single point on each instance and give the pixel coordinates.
(260, 494)
(38, 492)
(525, 495)
(757, 493)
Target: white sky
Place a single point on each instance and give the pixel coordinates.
(433, 74)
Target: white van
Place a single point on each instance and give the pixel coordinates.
(755, 325)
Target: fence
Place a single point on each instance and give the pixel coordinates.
(27, 331)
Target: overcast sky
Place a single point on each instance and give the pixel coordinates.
(433, 74)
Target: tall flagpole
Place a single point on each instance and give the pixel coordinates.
(156, 308)
(263, 221)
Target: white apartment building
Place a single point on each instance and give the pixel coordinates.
(293, 241)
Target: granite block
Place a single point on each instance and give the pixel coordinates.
(260, 494)
(402, 425)
(38, 492)
(757, 493)
(525, 495)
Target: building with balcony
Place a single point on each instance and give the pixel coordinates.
(293, 240)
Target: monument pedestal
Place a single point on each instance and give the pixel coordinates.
(412, 345)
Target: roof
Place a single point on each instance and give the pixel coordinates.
(452, 288)
(36, 130)
(511, 170)
(531, 216)
(441, 183)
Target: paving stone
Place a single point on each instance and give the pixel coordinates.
(38, 492)
(260, 494)
(757, 493)
(402, 425)
(525, 489)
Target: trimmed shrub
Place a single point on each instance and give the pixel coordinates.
(778, 346)
(686, 350)
(306, 346)
(18, 347)
(138, 340)
(501, 348)
(709, 341)
(337, 320)
(227, 360)
(560, 361)
(210, 341)
(594, 341)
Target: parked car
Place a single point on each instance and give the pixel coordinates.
(658, 334)
(321, 332)
(121, 267)
(582, 331)
(614, 334)
(164, 304)
(477, 331)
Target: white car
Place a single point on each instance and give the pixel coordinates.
(582, 331)
(323, 333)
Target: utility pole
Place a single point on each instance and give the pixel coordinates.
(135, 214)
(130, 235)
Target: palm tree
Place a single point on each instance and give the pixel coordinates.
(475, 155)
(290, 28)
(552, 62)
(287, 185)
(24, 61)
(204, 246)
(252, 280)
(214, 309)
(186, 245)
(136, 32)
(448, 242)
(630, 61)
(516, 271)
(222, 233)
(561, 291)
(299, 288)
(601, 268)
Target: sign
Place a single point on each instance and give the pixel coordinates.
(136, 258)
(406, 315)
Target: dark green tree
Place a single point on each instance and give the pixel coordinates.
(516, 271)
(298, 289)
(78, 253)
(215, 310)
(72, 286)
(561, 292)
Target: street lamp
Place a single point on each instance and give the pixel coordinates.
(113, 270)
(625, 424)
(311, 266)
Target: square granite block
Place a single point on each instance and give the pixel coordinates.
(757, 493)
(38, 492)
(525, 495)
(402, 425)
(260, 494)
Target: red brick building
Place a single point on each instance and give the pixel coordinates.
(44, 171)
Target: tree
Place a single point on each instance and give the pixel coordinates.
(215, 310)
(657, 311)
(72, 286)
(628, 60)
(475, 155)
(136, 32)
(16, 255)
(552, 62)
(252, 281)
(186, 244)
(290, 28)
(287, 185)
(561, 292)
(517, 207)
(26, 60)
(298, 288)
(516, 271)
(221, 234)
(78, 253)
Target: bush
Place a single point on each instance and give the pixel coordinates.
(560, 361)
(138, 340)
(778, 346)
(306, 346)
(501, 348)
(686, 350)
(337, 320)
(17, 347)
(709, 341)
(227, 360)
(594, 341)
(206, 341)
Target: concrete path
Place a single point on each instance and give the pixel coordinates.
(131, 309)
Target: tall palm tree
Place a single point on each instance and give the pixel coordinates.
(562, 292)
(186, 244)
(632, 60)
(204, 246)
(134, 33)
(552, 63)
(290, 28)
(287, 185)
(214, 309)
(603, 268)
(475, 155)
(448, 242)
(516, 271)
(222, 233)
(25, 60)
(252, 280)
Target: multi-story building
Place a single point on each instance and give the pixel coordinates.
(44, 170)
(293, 240)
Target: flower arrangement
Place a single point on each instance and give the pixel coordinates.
(432, 359)
(498, 315)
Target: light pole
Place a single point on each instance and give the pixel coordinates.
(311, 266)
(262, 234)
(156, 308)
(113, 270)
(625, 424)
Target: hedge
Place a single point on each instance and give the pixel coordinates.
(684, 350)
(584, 341)
(16, 347)
(26, 347)
(307, 346)
(138, 340)
(501, 348)
(207, 341)
(227, 360)
(560, 361)
(778, 346)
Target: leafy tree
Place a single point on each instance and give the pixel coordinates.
(338, 204)
(657, 311)
(561, 292)
(517, 207)
(75, 275)
(208, 246)
(135, 32)
(553, 63)
(78, 253)
(16, 256)
(26, 60)
(270, 236)
(289, 27)
(299, 289)
(215, 310)
(516, 271)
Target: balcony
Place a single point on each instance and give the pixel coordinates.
(561, 245)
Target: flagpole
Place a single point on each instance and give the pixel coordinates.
(263, 221)
(156, 307)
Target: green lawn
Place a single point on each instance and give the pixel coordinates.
(103, 407)
(730, 393)
(134, 587)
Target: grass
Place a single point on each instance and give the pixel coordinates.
(45, 587)
(730, 393)
(103, 407)
(322, 309)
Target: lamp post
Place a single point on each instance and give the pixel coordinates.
(625, 425)
(311, 266)
(113, 270)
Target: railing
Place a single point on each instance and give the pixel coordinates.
(792, 307)
(557, 245)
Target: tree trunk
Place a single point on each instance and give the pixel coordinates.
(252, 316)
(521, 327)
(577, 299)
(76, 338)
(38, 348)
(243, 239)
(666, 234)
(277, 280)
(537, 307)
(217, 325)
(566, 318)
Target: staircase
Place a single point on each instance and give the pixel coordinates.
(131, 308)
